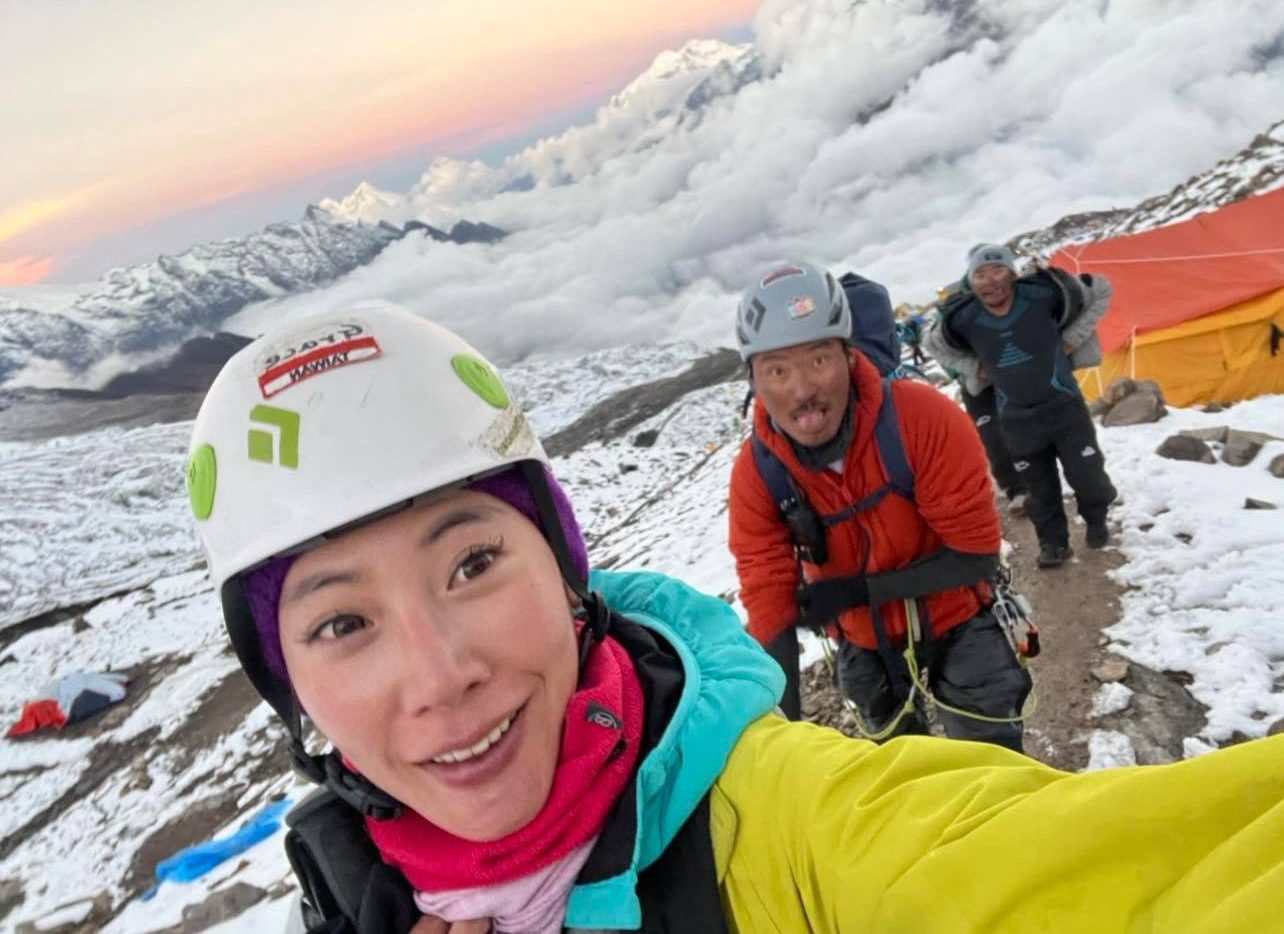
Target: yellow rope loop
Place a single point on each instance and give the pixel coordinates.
(921, 688)
(862, 727)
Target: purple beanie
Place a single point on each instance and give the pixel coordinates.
(263, 585)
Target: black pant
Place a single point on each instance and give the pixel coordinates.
(973, 668)
(984, 414)
(1039, 437)
(784, 649)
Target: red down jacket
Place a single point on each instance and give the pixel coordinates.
(954, 506)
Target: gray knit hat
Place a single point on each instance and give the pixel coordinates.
(990, 254)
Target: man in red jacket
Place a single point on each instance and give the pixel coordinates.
(884, 570)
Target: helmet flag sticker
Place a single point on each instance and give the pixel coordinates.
(802, 307)
(784, 272)
(477, 375)
(201, 479)
(311, 351)
(274, 447)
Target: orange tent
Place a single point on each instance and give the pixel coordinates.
(1198, 305)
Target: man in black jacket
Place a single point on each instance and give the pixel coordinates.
(1026, 336)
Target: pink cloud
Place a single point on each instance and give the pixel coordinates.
(25, 270)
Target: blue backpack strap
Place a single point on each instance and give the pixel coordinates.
(891, 447)
(774, 474)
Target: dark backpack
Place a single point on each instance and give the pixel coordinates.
(873, 322)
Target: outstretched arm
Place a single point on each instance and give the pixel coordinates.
(815, 831)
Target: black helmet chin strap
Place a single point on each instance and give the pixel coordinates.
(328, 769)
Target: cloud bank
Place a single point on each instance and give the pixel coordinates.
(884, 136)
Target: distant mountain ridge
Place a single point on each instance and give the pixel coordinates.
(1255, 169)
(154, 307)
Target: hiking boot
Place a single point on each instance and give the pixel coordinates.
(1016, 504)
(1097, 536)
(1053, 556)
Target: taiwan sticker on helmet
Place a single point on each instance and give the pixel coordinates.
(802, 307)
(316, 348)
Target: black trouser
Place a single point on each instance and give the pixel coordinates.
(1039, 437)
(973, 668)
(784, 649)
(984, 413)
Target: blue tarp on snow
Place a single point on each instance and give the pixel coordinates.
(195, 861)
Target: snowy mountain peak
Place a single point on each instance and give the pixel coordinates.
(673, 73)
(369, 204)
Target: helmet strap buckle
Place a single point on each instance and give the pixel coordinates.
(596, 619)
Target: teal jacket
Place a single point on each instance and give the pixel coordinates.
(729, 683)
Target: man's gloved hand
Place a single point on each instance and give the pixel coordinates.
(822, 602)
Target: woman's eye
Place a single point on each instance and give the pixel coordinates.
(336, 627)
(475, 563)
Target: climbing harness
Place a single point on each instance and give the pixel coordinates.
(1014, 615)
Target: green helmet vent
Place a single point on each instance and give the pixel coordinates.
(201, 479)
(477, 375)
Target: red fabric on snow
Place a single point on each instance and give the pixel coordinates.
(36, 715)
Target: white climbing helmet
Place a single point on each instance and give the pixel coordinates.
(327, 422)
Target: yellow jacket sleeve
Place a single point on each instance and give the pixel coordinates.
(816, 831)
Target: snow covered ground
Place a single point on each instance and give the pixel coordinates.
(1204, 578)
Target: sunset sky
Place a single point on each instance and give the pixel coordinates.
(139, 127)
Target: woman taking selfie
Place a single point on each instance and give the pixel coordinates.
(518, 745)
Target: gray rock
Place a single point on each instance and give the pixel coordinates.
(1240, 448)
(1140, 408)
(1161, 713)
(1260, 437)
(1276, 466)
(1117, 390)
(221, 905)
(1098, 407)
(1217, 434)
(97, 910)
(1185, 448)
(1150, 387)
(1276, 728)
(1251, 503)
(1112, 669)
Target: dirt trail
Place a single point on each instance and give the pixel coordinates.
(1072, 604)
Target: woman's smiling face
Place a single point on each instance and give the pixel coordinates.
(436, 649)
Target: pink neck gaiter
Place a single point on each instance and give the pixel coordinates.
(600, 739)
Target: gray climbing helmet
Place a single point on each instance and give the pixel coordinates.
(791, 304)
